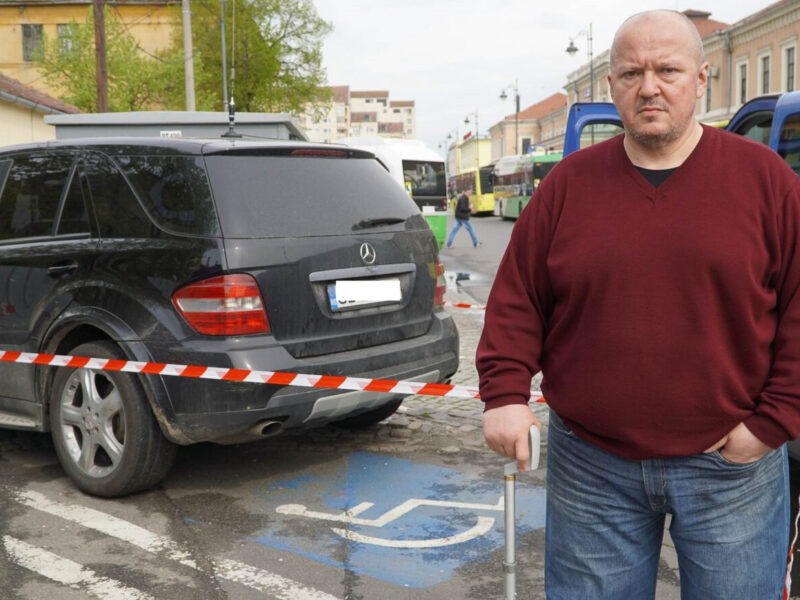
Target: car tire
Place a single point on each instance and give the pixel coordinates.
(376, 415)
(103, 429)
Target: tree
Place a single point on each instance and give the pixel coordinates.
(275, 45)
(136, 81)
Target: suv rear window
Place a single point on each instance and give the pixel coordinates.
(174, 191)
(287, 196)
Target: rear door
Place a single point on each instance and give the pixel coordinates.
(46, 250)
(342, 255)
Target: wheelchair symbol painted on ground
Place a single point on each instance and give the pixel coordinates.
(483, 524)
(392, 519)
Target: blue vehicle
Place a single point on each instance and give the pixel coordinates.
(772, 119)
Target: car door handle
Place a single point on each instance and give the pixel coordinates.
(62, 268)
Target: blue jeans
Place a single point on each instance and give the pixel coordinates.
(458, 225)
(605, 522)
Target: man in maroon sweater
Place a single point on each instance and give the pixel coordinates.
(654, 279)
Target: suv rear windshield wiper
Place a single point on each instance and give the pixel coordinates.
(363, 224)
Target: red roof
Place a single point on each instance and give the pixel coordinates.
(340, 93)
(704, 25)
(541, 109)
(20, 90)
(378, 94)
(399, 103)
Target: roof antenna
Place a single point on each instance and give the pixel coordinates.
(231, 133)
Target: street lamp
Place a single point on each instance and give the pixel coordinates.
(477, 137)
(572, 49)
(503, 96)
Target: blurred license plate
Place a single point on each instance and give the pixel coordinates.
(350, 293)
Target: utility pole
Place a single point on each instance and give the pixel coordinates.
(188, 55)
(100, 53)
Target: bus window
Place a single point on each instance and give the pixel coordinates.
(487, 181)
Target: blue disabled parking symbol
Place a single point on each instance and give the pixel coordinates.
(407, 523)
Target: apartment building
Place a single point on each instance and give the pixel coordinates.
(24, 25)
(359, 113)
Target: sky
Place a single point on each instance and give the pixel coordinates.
(454, 57)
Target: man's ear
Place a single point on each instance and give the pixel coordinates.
(702, 79)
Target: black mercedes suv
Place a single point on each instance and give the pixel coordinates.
(278, 256)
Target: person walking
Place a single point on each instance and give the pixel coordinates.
(462, 212)
(654, 279)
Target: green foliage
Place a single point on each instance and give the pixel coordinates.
(136, 81)
(275, 47)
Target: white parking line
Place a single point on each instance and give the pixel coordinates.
(67, 572)
(232, 570)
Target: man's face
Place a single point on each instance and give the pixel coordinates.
(655, 80)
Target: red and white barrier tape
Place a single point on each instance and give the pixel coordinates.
(464, 305)
(334, 382)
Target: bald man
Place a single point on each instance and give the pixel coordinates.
(654, 280)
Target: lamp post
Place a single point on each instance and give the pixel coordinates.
(446, 143)
(477, 137)
(572, 49)
(503, 96)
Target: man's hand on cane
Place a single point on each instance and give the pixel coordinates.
(506, 430)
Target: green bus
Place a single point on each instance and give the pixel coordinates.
(515, 180)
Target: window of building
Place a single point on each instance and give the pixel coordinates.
(741, 82)
(789, 54)
(368, 100)
(32, 38)
(65, 37)
(708, 96)
(764, 70)
(527, 143)
(396, 111)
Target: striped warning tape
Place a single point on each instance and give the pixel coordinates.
(464, 305)
(333, 382)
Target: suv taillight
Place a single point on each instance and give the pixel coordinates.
(441, 285)
(224, 305)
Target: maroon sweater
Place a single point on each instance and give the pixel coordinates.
(660, 317)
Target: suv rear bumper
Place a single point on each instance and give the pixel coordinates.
(201, 410)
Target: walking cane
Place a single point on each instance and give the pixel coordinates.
(510, 477)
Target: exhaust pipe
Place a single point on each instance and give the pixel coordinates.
(266, 428)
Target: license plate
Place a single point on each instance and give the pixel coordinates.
(353, 292)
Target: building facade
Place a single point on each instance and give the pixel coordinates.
(25, 24)
(540, 126)
(754, 56)
(359, 113)
(22, 113)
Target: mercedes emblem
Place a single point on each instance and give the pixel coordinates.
(367, 253)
